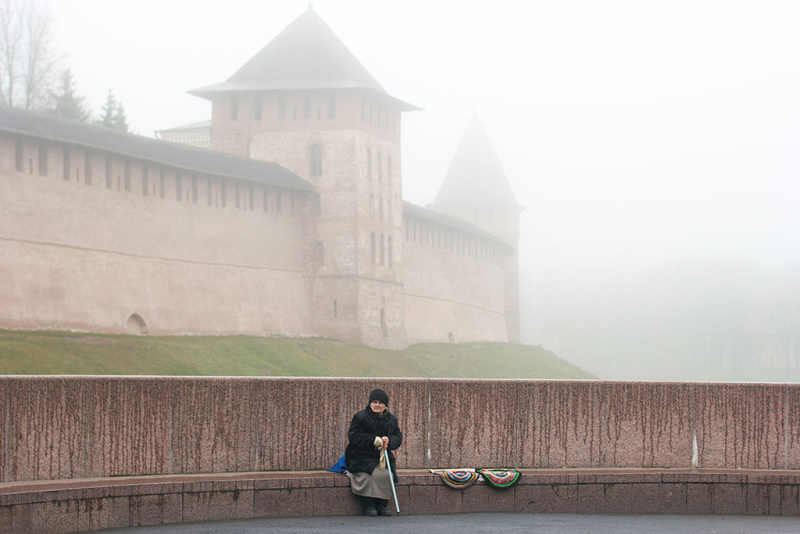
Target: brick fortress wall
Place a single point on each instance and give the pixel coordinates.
(88, 239)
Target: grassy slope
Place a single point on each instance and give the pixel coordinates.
(43, 352)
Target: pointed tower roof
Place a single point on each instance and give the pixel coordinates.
(306, 55)
(475, 177)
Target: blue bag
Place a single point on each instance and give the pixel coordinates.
(338, 467)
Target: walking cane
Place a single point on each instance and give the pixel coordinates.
(391, 479)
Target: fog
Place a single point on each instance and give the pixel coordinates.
(653, 145)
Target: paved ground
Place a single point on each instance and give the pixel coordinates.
(501, 522)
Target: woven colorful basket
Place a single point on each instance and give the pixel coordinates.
(500, 478)
(457, 478)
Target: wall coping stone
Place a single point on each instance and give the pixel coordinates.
(14, 493)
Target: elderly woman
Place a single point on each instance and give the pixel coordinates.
(373, 430)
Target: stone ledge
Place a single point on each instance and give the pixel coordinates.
(82, 505)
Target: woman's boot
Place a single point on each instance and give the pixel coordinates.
(380, 507)
(369, 506)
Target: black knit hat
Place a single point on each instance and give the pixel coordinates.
(379, 394)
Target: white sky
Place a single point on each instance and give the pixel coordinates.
(628, 130)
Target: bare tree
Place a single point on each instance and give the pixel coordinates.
(28, 64)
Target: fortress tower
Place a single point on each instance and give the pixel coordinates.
(305, 102)
(475, 189)
(293, 224)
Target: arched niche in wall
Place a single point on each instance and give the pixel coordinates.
(136, 325)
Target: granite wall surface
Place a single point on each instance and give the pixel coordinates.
(58, 427)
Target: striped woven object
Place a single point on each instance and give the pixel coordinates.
(500, 478)
(457, 478)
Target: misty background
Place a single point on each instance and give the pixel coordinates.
(653, 145)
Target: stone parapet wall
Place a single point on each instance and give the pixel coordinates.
(87, 427)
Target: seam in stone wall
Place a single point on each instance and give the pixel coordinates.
(148, 257)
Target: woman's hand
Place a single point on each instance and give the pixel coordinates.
(385, 440)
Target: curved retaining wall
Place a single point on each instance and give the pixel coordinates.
(85, 427)
(120, 502)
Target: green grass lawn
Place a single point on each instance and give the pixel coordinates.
(51, 352)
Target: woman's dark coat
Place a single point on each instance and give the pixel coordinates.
(361, 454)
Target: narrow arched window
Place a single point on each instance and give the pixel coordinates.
(316, 160)
(319, 253)
(234, 108)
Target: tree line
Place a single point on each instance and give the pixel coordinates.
(32, 75)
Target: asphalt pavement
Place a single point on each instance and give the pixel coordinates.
(504, 523)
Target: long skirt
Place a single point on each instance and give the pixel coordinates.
(377, 484)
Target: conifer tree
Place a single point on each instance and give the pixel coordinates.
(108, 110)
(67, 103)
(113, 114)
(120, 120)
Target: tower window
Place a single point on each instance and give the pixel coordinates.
(87, 165)
(127, 175)
(234, 108)
(66, 163)
(108, 171)
(42, 158)
(19, 160)
(316, 160)
(331, 105)
(319, 254)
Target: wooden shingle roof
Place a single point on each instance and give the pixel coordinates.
(306, 55)
(475, 177)
(49, 127)
(453, 223)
